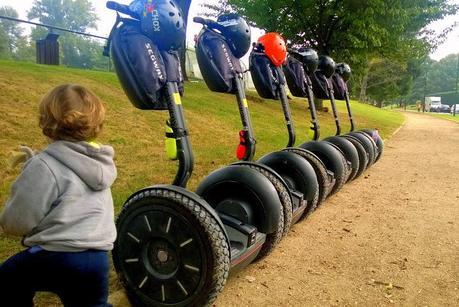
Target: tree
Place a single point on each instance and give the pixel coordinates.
(434, 77)
(76, 15)
(10, 32)
(356, 32)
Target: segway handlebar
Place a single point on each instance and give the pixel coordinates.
(207, 22)
(121, 8)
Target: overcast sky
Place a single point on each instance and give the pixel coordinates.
(107, 17)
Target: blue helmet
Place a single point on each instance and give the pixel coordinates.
(162, 21)
(236, 32)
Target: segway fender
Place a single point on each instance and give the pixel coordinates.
(332, 158)
(349, 151)
(231, 181)
(268, 169)
(299, 172)
(368, 144)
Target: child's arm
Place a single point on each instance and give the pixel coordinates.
(31, 198)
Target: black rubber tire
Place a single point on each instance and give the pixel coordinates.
(325, 184)
(367, 144)
(210, 243)
(297, 172)
(347, 165)
(350, 153)
(363, 155)
(222, 184)
(333, 160)
(379, 143)
(284, 196)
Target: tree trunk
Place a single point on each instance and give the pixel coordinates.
(363, 88)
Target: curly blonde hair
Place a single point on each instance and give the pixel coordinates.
(72, 113)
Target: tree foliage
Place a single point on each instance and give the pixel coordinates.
(13, 43)
(435, 77)
(361, 33)
(76, 15)
(10, 32)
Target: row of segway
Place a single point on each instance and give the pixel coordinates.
(316, 169)
(176, 247)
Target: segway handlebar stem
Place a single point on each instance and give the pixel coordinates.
(250, 142)
(349, 112)
(287, 115)
(333, 105)
(312, 109)
(178, 125)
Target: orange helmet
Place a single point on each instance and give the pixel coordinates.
(275, 48)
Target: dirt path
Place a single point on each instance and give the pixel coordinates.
(389, 238)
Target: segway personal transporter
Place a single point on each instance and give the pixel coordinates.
(266, 60)
(174, 248)
(300, 63)
(341, 91)
(219, 46)
(323, 89)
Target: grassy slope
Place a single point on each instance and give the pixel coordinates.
(138, 135)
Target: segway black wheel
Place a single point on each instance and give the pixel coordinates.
(324, 180)
(171, 250)
(363, 155)
(282, 191)
(249, 196)
(333, 159)
(350, 153)
(379, 142)
(368, 144)
(299, 175)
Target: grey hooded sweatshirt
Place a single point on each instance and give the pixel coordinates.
(62, 200)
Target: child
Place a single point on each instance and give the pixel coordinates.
(61, 204)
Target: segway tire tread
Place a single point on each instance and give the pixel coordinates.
(342, 180)
(285, 220)
(322, 177)
(212, 230)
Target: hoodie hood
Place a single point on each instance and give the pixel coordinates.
(94, 165)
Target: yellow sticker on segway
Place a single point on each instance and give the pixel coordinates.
(177, 98)
(245, 103)
(171, 144)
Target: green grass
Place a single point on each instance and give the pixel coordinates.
(138, 136)
(446, 116)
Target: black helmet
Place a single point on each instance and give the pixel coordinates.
(162, 21)
(326, 66)
(310, 59)
(237, 33)
(344, 70)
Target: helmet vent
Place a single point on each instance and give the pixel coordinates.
(172, 3)
(177, 24)
(171, 14)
